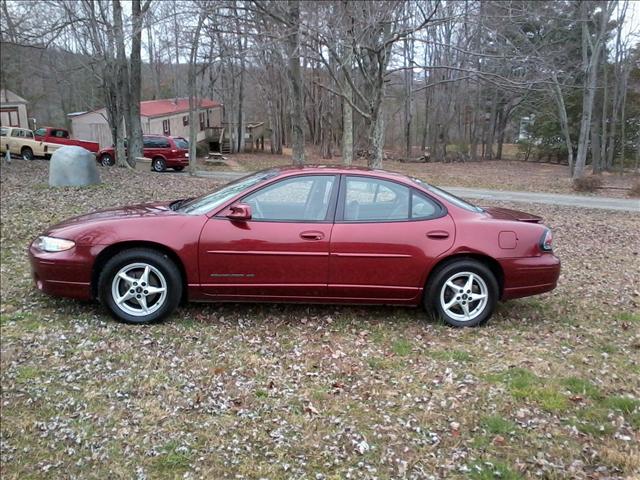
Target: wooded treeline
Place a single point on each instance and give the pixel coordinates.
(441, 79)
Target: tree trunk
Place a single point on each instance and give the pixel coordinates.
(623, 139)
(241, 119)
(408, 85)
(135, 67)
(377, 140)
(347, 127)
(596, 160)
(590, 84)
(492, 124)
(194, 102)
(153, 63)
(122, 86)
(564, 121)
(296, 81)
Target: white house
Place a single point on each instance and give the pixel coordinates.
(13, 110)
(163, 117)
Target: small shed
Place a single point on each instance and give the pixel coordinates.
(13, 110)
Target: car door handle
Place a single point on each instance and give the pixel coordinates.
(438, 234)
(312, 235)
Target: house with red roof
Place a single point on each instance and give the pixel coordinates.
(160, 117)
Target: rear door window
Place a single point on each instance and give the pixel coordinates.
(372, 199)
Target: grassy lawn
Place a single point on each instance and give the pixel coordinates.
(549, 388)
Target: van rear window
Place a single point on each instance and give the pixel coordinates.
(181, 143)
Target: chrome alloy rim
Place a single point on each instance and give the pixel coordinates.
(464, 296)
(139, 289)
(157, 165)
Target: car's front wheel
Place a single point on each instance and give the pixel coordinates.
(463, 293)
(140, 286)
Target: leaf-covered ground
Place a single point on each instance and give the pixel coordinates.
(499, 175)
(549, 388)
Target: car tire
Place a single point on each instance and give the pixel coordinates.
(140, 286)
(107, 160)
(460, 306)
(178, 169)
(158, 164)
(27, 153)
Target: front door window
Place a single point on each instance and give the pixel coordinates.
(300, 199)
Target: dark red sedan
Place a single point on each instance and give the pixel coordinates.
(164, 152)
(313, 234)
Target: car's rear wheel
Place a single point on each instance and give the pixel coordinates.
(140, 286)
(462, 293)
(158, 164)
(179, 168)
(106, 160)
(27, 153)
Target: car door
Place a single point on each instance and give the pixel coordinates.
(281, 252)
(15, 140)
(385, 238)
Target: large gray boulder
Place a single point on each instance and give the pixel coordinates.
(73, 166)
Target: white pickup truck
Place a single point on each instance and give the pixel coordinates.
(21, 141)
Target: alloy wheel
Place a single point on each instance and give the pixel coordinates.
(139, 289)
(464, 296)
(158, 165)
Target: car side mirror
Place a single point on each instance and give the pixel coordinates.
(241, 211)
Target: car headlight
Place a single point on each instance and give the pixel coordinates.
(52, 244)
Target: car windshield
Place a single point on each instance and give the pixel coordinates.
(206, 203)
(458, 202)
(181, 143)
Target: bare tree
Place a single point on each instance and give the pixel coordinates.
(591, 50)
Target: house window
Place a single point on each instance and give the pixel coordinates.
(166, 129)
(10, 117)
(202, 115)
(185, 120)
(208, 117)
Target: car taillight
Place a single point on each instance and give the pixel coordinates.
(546, 242)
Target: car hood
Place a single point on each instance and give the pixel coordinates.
(69, 227)
(508, 214)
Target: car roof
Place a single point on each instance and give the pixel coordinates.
(340, 169)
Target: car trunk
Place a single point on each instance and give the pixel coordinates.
(509, 214)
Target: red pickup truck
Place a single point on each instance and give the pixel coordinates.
(62, 137)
